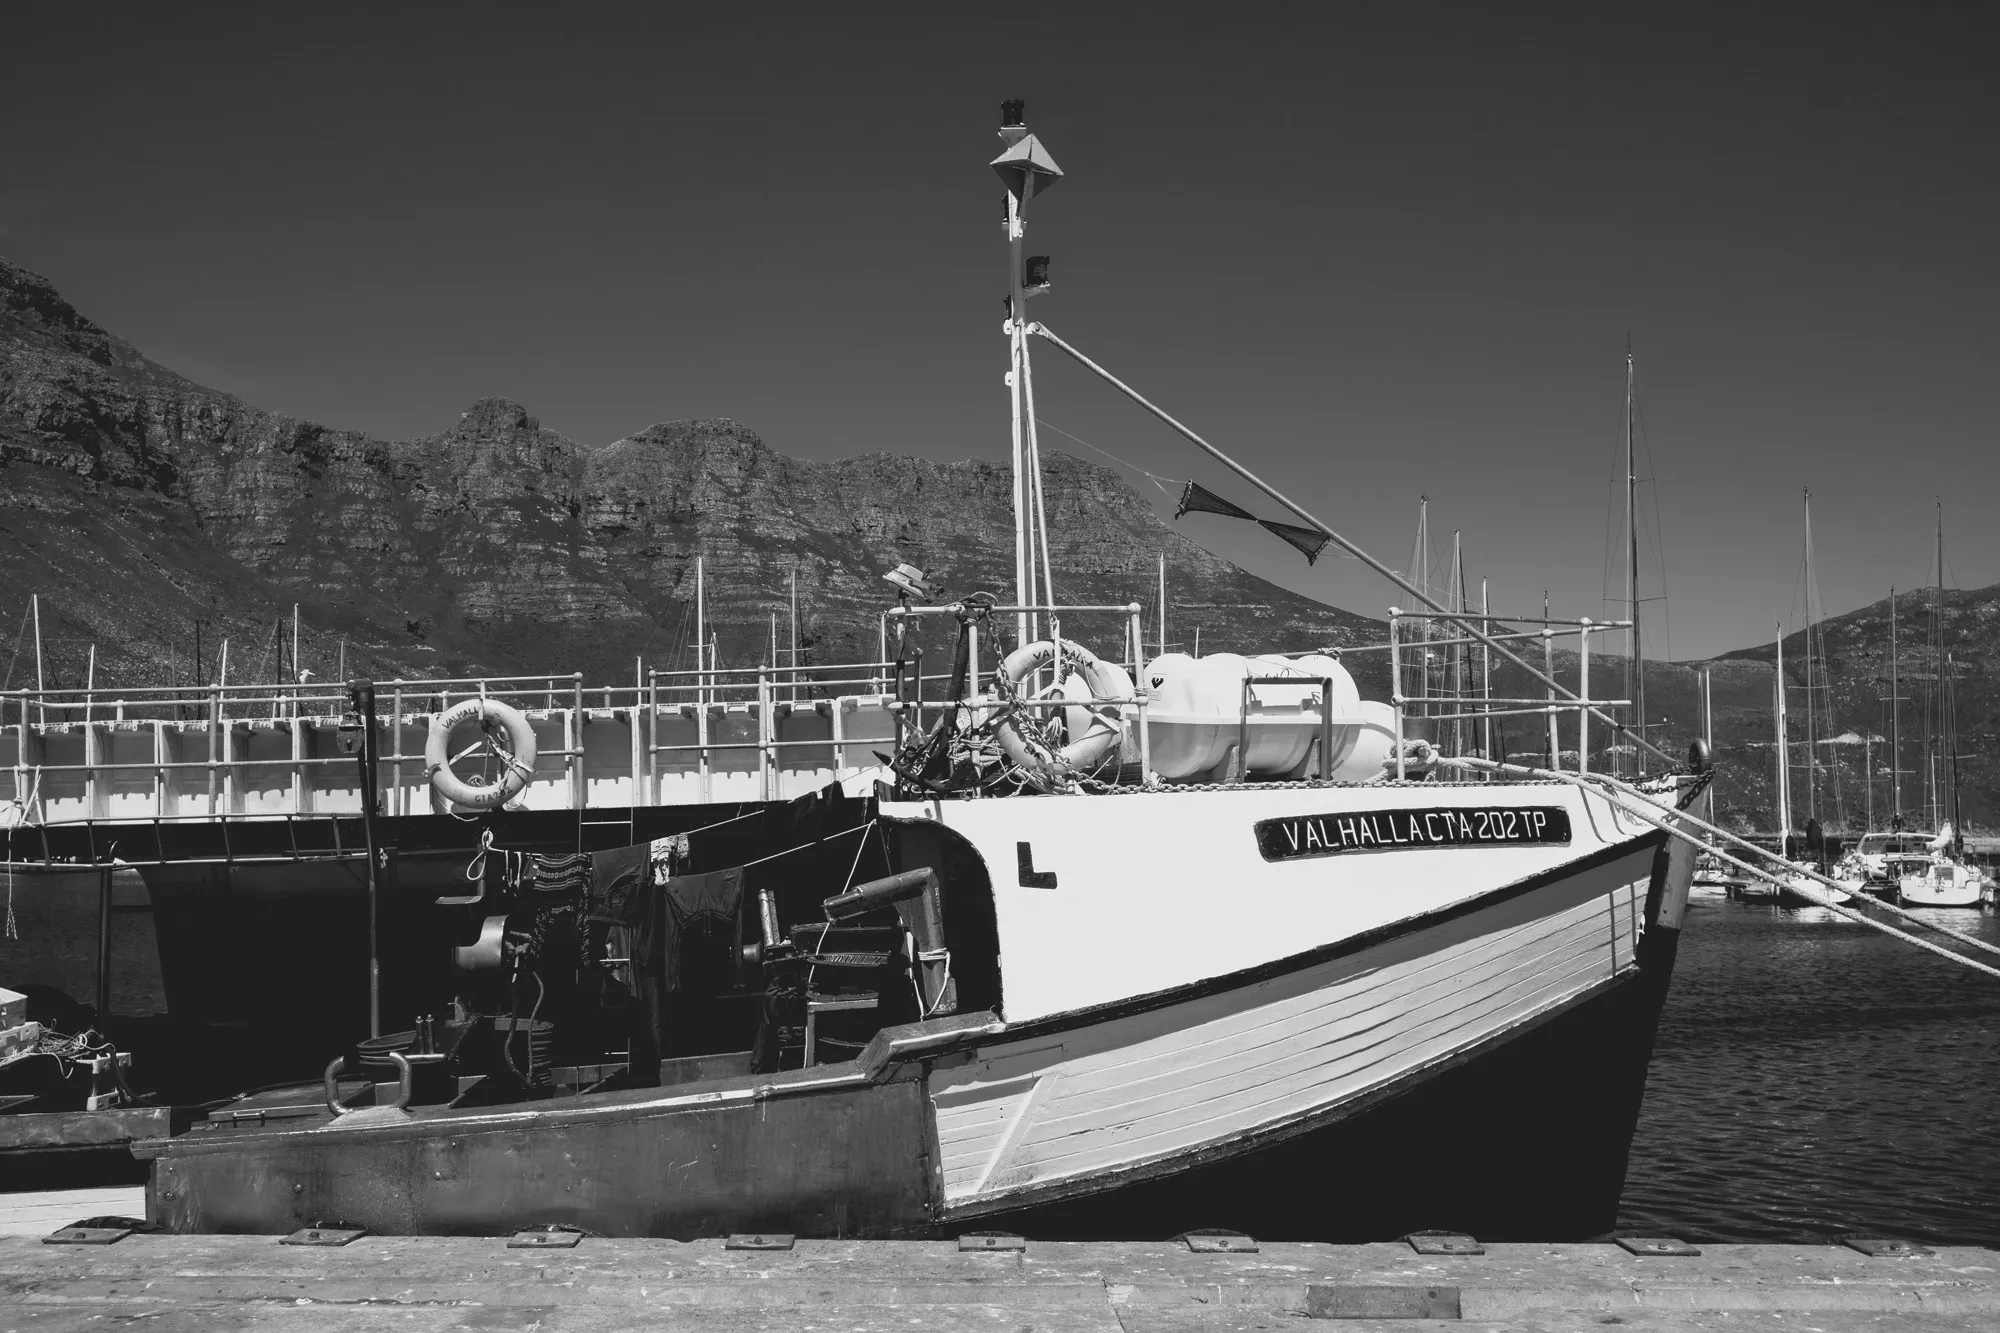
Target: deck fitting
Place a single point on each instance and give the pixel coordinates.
(1664, 1246)
(1218, 1242)
(87, 1236)
(545, 1238)
(983, 1241)
(763, 1240)
(324, 1236)
(1443, 1242)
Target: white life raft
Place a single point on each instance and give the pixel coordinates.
(516, 756)
(1097, 730)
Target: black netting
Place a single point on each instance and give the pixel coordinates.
(1310, 540)
(1200, 500)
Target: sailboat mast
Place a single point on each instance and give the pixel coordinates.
(1784, 749)
(1163, 603)
(1812, 754)
(1895, 719)
(1938, 730)
(1636, 680)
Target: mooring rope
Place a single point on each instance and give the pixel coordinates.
(1638, 806)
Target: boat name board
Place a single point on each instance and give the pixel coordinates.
(1297, 836)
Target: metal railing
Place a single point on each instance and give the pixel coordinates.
(1465, 706)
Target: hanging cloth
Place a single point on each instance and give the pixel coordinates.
(1198, 499)
(1310, 540)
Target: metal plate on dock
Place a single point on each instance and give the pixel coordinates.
(1665, 1246)
(87, 1236)
(324, 1236)
(990, 1240)
(545, 1238)
(1219, 1242)
(1884, 1247)
(763, 1240)
(1443, 1242)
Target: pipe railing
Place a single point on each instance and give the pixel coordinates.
(1474, 707)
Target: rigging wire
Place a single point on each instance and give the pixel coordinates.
(1153, 477)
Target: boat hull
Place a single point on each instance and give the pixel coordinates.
(1477, 1065)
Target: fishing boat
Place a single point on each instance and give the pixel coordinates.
(1109, 948)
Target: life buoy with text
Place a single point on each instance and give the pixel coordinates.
(504, 736)
(1049, 769)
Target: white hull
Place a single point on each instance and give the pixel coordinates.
(1353, 972)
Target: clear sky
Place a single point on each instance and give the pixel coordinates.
(1375, 251)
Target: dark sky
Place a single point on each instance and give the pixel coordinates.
(1376, 252)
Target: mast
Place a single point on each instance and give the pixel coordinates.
(1026, 168)
(1636, 677)
(1812, 755)
(1163, 603)
(1455, 661)
(1010, 119)
(1938, 730)
(1709, 735)
(1784, 752)
(1895, 720)
(1486, 678)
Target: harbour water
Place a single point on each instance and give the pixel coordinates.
(1814, 1077)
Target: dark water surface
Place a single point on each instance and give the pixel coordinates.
(1814, 1077)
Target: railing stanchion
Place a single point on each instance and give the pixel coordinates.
(1583, 687)
(399, 801)
(214, 734)
(1396, 688)
(653, 736)
(579, 781)
(766, 730)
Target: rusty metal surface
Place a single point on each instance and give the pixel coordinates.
(848, 1159)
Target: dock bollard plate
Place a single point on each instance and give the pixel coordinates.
(545, 1238)
(1218, 1242)
(324, 1236)
(1886, 1247)
(1662, 1246)
(1443, 1242)
(87, 1236)
(760, 1240)
(987, 1241)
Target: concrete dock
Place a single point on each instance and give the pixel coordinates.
(169, 1283)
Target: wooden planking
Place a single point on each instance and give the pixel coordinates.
(1281, 1047)
(1190, 1103)
(1213, 1101)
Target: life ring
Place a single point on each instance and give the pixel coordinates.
(517, 756)
(1051, 770)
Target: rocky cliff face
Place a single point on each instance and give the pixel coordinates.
(142, 505)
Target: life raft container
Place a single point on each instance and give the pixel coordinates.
(1048, 769)
(517, 756)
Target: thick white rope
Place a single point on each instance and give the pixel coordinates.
(1639, 807)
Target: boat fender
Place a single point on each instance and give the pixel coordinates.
(1050, 770)
(517, 755)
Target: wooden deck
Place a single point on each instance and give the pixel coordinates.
(171, 1283)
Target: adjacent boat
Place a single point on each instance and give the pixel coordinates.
(1100, 952)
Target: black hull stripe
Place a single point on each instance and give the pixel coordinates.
(1071, 1019)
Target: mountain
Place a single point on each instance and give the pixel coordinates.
(157, 517)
